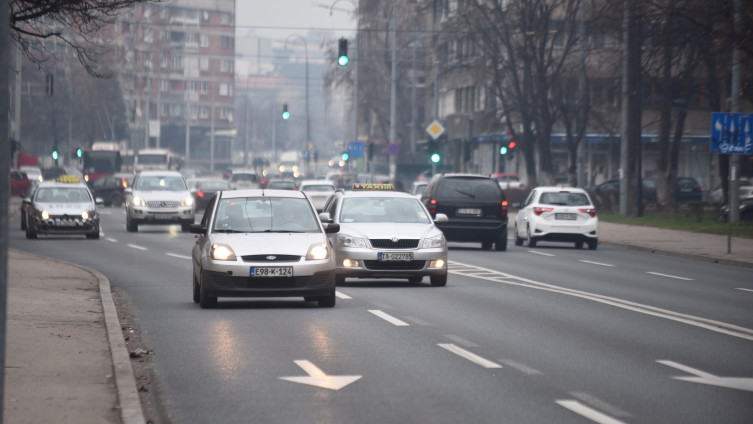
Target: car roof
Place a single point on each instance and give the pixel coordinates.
(377, 193)
(316, 182)
(558, 188)
(59, 184)
(163, 172)
(234, 194)
(456, 175)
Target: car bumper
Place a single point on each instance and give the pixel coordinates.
(144, 215)
(473, 230)
(365, 263)
(232, 279)
(569, 232)
(65, 226)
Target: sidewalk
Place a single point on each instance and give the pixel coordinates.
(66, 359)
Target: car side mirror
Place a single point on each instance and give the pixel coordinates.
(331, 228)
(27, 200)
(128, 190)
(324, 217)
(197, 229)
(99, 201)
(441, 218)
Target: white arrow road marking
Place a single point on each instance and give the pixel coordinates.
(588, 412)
(175, 255)
(342, 295)
(318, 378)
(739, 383)
(135, 246)
(594, 263)
(389, 318)
(457, 350)
(669, 276)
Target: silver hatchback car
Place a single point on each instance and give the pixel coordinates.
(262, 243)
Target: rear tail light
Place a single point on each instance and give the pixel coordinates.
(200, 193)
(589, 211)
(538, 210)
(504, 207)
(433, 206)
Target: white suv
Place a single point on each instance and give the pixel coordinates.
(159, 198)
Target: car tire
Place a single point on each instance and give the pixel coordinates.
(501, 244)
(116, 200)
(94, 235)
(518, 240)
(339, 280)
(196, 291)
(23, 221)
(327, 301)
(531, 239)
(439, 280)
(416, 279)
(205, 300)
(30, 233)
(486, 245)
(131, 226)
(592, 244)
(579, 244)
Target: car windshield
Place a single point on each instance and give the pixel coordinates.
(244, 177)
(214, 185)
(160, 183)
(383, 209)
(464, 188)
(265, 215)
(281, 185)
(564, 199)
(323, 188)
(63, 195)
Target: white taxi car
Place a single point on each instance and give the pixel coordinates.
(262, 243)
(557, 214)
(64, 206)
(385, 234)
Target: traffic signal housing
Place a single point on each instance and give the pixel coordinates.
(342, 52)
(285, 113)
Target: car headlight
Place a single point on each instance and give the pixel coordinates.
(222, 252)
(45, 215)
(137, 201)
(188, 201)
(436, 241)
(317, 251)
(86, 214)
(344, 240)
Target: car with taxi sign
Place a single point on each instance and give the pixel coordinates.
(385, 234)
(561, 214)
(158, 197)
(262, 243)
(62, 207)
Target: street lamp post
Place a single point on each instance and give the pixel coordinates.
(308, 122)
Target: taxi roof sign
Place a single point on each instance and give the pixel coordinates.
(68, 179)
(375, 187)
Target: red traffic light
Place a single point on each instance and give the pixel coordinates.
(511, 145)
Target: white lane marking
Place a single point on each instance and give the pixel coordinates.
(135, 246)
(739, 383)
(342, 295)
(540, 253)
(520, 367)
(590, 413)
(457, 350)
(713, 325)
(389, 318)
(175, 255)
(110, 239)
(740, 288)
(600, 404)
(317, 377)
(594, 263)
(668, 276)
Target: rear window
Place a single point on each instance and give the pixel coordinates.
(243, 177)
(564, 199)
(467, 188)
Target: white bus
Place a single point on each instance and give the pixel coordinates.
(151, 159)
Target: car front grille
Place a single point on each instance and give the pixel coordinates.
(163, 204)
(389, 244)
(271, 258)
(394, 266)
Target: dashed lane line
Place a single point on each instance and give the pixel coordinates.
(342, 295)
(588, 412)
(175, 255)
(740, 288)
(389, 318)
(135, 246)
(111, 240)
(669, 276)
(457, 350)
(541, 253)
(594, 263)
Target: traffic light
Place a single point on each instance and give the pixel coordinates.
(55, 154)
(503, 150)
(345, 157)
(285, 113)
(511, 148)
(342, 52)
(435, 157)
(79, 152)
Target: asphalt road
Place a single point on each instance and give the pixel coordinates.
(549, 334)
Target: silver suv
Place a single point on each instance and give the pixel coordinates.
(159, 198)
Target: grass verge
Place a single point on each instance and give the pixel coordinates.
(700, 222)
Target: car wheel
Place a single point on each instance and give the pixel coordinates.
(205, 300)
(531, 239)
(196, 291)
(579, 244)
(501, 244)
(518, 240)
(131, 226)
(439, 280)
(486, 245)
(93, 235)
(327, 301)
(23, 221)
(339, 280)
(30, 233)
(592, 244)
(116, 201)
(416, 279)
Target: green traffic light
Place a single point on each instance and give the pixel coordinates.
(345, 157)
(342, 60)
(503, 150)
(79, 152)
(55, 154)
(435, 157)
(285, 115)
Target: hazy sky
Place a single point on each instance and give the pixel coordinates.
(280, 18)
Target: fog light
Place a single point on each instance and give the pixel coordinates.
(347, 263)
(439, 263)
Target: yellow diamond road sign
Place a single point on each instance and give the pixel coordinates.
(435, 129)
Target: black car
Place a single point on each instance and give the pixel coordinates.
(110, 189)
(25, 205)
(746, 210)
(203, 190)
(475, 207)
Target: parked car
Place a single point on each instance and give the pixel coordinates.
(557, 214)
(474, 205)
(261, 243)
(746, 210)
(608, 192)
(745, 189)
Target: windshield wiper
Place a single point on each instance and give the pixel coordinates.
(228, 231)
(282, 231)
(465, 193)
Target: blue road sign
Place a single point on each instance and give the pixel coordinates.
(355, 149)
(732, 133)
(392, 148)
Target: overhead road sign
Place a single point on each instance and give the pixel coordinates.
(731, 133)
(355, 149)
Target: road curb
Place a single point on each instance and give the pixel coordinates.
(709, 259)
(129, 401)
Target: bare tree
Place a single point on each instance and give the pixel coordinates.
(39, 26)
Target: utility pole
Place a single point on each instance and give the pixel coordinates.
(4, 184)
(630, 130)
(393, 91)
(734, 160)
